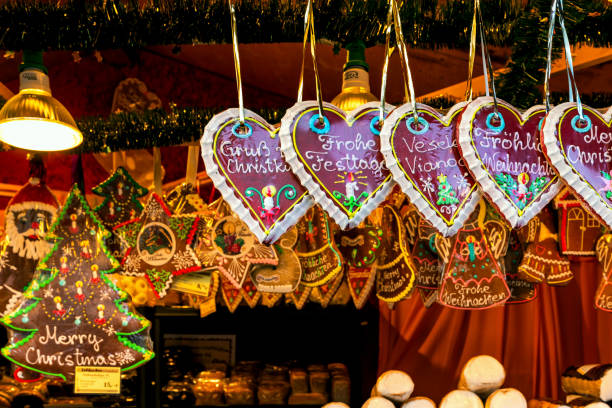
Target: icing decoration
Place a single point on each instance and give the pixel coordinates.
(86, 321)
(231, 294)
(427, 165)
(160, 245)
(521, 291)
(578, 229)
(324, 293)
(250, 294)
(285, 277)
(339, 161)
(541, 260)
(506, 159)
(473, 277)
(316, 248)
(121, 193)
(395, 272)
(252, 175)
(603, 296)
(580, 153)
(299, 296)
(358, 248)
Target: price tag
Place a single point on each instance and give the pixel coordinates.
(193, 283)
(97, 380)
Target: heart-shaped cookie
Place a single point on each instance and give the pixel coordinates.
(426, 163)
(246, 165)
(581, 152)
(505, 158)
(337, 158)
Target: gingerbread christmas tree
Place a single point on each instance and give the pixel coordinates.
(73, 314)
(446, 194)
(121, 193)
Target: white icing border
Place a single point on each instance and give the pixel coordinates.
(308, 181)
(227, 191)
(489, 188)
(415, 197)
(580, 188)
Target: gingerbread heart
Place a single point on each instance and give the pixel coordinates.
(504, 155)
(426, 163)
(581, 152)
(246, 165)
(337, 158)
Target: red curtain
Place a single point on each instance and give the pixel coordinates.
(534, 341)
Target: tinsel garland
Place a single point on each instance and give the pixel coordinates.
(113, 24)
(521, 85)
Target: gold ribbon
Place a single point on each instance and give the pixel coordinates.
(157, 171)
(192, 164)
(468, 90)
(309, 35)
(236, 61)
(403, 51)
(388, 53)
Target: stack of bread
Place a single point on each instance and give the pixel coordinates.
(480, 386)
(586, 386)
(394, 388)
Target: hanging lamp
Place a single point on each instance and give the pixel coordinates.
(33, 119)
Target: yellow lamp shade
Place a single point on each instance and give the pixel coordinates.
(35, 120)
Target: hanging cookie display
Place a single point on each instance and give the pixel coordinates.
(286, 276)
(245, 163)
(421, 153)
(502, 150)
(337, 157)
(578, 229)
(576, 139)
(358, 247)
(576, 142)
(395, 272)
(542, 261)
(335, 154)
(603, 296)
(521, 291)
(473, 277)
(316, 248)
(159, 245)
(299, 296)
(242, 156)
(71, 297)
